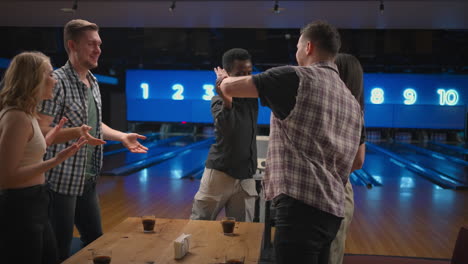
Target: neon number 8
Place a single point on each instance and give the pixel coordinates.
(410, 96)
(178, 95)
(377, 96)
(209, 88)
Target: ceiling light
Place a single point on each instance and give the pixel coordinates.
(72, 9)
(276, 8)
(172, 7)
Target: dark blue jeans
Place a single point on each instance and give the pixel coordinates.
(303, 233)
(82, 211)
(26, 235)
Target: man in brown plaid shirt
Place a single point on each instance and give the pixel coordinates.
(314, 137)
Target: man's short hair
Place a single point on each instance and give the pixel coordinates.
(232, 55)
(323, 35)
(74, 28)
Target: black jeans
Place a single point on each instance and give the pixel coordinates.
(303, 233)
(82, 211)
(26, 234)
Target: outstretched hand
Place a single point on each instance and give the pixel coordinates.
(131, 143)
(50, 136)
(71, 150)
(84, 132)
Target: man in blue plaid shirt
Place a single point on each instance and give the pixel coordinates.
(77, 98)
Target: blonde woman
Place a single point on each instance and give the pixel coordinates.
(26, 235)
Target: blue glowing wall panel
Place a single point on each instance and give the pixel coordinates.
(429, 116)
(173, 96)
(416, 89)
(392, 100)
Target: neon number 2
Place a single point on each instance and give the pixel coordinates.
(377, 96)
(209, 88)
(145, 88)
(178, 95)
(449, 97)
(410, 96)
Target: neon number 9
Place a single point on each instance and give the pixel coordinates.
(410, 96)
(377, 96)
(179, 90)
(145, 88)
(449, 97)
(208, 92)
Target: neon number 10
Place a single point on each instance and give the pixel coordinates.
(449, 97)
(178, 95)
(145, 88)
(410, 96)
(377, 96)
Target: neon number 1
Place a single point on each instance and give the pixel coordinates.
(145, 88)
(208, 92)
(377, 96)
(178, 95)
(410, 96)
(449, 97)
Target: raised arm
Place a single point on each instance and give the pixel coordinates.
(242, 87)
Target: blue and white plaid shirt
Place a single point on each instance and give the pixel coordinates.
(71, 101)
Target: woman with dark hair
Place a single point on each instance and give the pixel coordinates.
(26, 234)
(352, 75)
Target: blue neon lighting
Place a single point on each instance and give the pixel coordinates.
(377, 96)
(179, 90)
(410, 96)
(392, 100)
(106, 79)
(4, 63)
(209, 92)
(145, 88)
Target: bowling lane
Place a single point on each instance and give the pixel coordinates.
(448, 168)
(390, 172)
(123, 158)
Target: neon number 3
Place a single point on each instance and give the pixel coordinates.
(410, 96)
(179, 90)
(377, 96)
(145, 88)
(208, 92)
(449, 97)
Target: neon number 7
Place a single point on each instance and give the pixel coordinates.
(178, 95)
(145, 88)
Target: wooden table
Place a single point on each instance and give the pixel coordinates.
(208, 245)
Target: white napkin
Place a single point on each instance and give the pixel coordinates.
(181, 246)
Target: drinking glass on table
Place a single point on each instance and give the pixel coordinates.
(228, 224)
(148, 221)
(102, 256)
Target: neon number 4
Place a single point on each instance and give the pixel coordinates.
(410, 96)
(209, 92)
(178, 95)
(145, 88)
(377, 96)
(449, 97)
